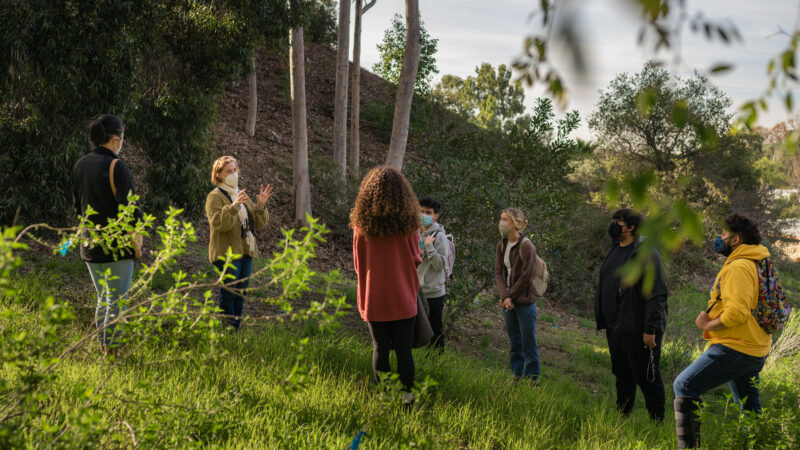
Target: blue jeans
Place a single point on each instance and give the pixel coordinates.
(717, 365)
(231, 303)
(110, 289)
(521, 329)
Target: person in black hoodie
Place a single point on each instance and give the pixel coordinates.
(634, 320)
(102, 180)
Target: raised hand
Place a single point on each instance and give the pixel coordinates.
(242, 198)
(264, 195)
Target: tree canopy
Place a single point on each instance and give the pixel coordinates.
(658, 118)
(392, 48)
(490, 97)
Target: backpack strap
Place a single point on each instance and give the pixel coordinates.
(111, 176)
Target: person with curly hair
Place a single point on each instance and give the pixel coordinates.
(737, 346)
(385, 222)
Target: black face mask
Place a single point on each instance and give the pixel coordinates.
(615, 231)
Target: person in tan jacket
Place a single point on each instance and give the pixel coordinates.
(233, 220)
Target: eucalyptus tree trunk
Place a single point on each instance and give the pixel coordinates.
(340, 97)
(252, 101)
(354, 151)
(405, 88)
(301, 183)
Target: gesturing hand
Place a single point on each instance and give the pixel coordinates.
(264, 195)
(241, 198)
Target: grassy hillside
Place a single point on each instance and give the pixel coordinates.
(245, 394)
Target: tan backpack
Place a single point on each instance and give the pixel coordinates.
(540, 276)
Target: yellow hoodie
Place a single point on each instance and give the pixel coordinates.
(738, 286)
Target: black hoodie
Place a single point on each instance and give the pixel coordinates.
(636, 313)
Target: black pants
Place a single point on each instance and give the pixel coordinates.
(436, 306)
(632, 366)
(397, 335)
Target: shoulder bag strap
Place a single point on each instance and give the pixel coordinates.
(111, 176)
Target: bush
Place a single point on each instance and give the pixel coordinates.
(524, 167)
(180, 323)
(157, 65)
(323, 17)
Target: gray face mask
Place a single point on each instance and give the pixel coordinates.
(504, 228)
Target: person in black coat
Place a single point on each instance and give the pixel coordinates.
(103, 181)
(633, 318)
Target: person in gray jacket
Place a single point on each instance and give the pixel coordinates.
(432, 272)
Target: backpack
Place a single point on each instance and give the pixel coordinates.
(772, 310)
(541, 276)
(451, 254)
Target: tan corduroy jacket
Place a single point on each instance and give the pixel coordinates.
(225, 228)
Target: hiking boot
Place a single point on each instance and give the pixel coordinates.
(687, 424)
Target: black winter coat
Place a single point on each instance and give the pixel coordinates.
(638, 313)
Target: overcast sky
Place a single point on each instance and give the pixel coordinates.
(474, 31)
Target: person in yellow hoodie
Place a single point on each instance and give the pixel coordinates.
(737, 346)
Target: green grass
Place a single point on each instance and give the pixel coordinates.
(237, 397)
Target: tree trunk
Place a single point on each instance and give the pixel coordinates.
(405, 88)
(340, 97)
(355, 99)
(252, 102)
(301, 184)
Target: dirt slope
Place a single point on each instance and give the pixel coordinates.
(267, 157)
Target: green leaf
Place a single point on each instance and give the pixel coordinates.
(722, 67)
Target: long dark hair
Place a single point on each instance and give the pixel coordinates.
(104, 128)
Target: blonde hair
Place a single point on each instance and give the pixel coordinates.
(219, 165)
(517, 217)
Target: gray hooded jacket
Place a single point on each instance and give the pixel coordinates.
(432, 272)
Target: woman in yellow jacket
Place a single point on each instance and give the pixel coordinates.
(737, 346)
(233, 220)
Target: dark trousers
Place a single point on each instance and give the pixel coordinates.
(231, 303)
(635, 365)
(436, 306)
(397, 335)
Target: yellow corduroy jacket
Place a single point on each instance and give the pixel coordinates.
(737, 283)
(225, 228)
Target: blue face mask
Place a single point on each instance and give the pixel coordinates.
(720, 247)
(426, 220)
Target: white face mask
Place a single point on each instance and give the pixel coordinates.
(232, 180)
(119, 149)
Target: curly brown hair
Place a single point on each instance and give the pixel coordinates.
(386, 205)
